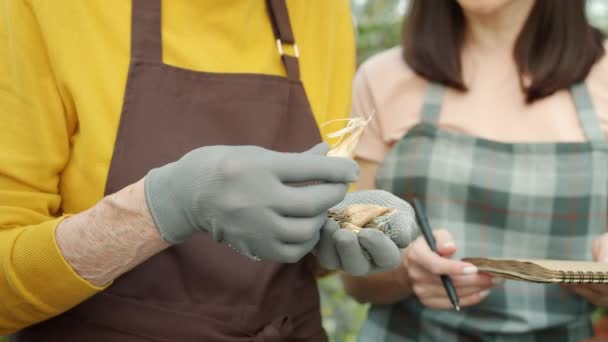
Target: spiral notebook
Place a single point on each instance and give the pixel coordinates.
(543, 271)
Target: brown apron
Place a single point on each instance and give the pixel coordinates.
(199, 290)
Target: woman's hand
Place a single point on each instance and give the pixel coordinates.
(424, 268)
(597, 294)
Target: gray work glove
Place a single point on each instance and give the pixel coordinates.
(240, 196)
(370, 250)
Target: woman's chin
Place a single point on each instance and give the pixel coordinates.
(484, 7)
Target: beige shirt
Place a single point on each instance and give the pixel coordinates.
(494, 107)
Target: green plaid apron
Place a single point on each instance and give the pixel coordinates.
(527, 200)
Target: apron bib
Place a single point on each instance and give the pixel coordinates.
(199, 290)
(520, 200)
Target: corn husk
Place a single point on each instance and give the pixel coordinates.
(349, 138)
(359, 216)
(346, 148)
(351, 227)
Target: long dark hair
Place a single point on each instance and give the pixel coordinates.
(556, 47)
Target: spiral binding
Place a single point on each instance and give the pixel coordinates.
(581, 277)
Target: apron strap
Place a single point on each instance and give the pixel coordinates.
(431, 109)
(281, 26)
(279, 17)
(146, 35)
(586, 112)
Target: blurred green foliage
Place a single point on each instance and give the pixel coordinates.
(342, 316)
(378, 25)
(374, 37)
(597, 12)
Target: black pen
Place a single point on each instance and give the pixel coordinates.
(423, 222)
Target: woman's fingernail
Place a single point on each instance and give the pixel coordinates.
(469, 270)
(449, 244)
(497, 281)
(484, 293)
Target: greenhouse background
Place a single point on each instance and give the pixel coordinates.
(378, 24)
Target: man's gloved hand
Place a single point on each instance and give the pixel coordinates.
(370, 250)
(240, 196)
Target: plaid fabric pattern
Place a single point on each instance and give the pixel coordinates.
(522, 200)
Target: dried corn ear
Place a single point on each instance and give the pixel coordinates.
(358, 216)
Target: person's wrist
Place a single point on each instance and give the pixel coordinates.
(111, 237)
(140, 204)
(130, 204)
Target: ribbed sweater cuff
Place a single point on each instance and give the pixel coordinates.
(46, 279)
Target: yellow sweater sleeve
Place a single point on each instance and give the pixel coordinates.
(35, 280)
(59, 111)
